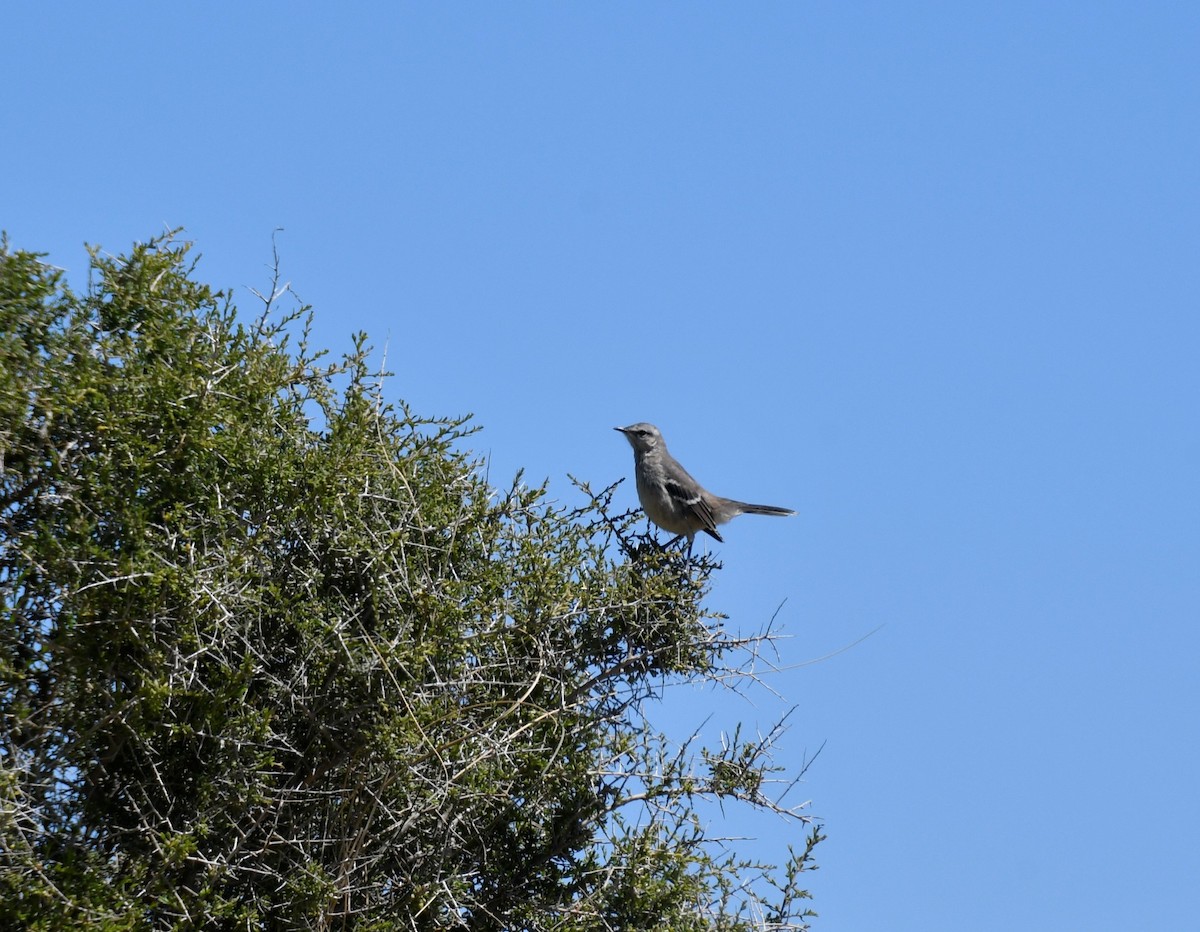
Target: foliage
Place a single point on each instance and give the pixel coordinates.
(276, 655)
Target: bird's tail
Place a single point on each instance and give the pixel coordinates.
(748, 509)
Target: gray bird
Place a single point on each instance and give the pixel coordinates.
(671, 498)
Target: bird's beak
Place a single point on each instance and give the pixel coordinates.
(621, 429)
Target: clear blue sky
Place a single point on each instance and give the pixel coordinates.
(927, 272)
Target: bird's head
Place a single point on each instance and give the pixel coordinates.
(642, 437)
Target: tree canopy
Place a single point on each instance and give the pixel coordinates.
(275, 653)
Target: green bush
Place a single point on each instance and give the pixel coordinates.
(276, 655)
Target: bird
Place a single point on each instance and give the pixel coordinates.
(672, 499)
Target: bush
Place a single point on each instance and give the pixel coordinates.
(277, 655)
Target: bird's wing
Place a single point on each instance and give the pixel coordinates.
(695, 503)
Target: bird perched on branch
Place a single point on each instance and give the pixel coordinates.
(671, 498)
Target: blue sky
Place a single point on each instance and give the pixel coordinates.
(926, 272)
